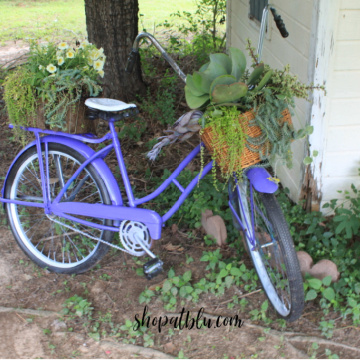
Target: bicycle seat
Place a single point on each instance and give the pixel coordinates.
(109, 109)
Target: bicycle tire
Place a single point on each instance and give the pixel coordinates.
(274, 256)
(47, 243)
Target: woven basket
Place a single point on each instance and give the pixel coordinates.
(248, 157)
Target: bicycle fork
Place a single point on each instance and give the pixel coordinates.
(259, 180)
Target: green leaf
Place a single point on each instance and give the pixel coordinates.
(171, 273)
(315, 283)
(329, 293)
(222, 60)
(205, 257)
(235, 272)
(357, 288)
(222, 80)
(174, 291)
(228, 281)
(311, 295)
(202, 81)
(204, 67)
(352, 302)
(327, 280)
(308, 160)
(214, 70)
(187, 276)
(228, 93)
(183, 291)
(223, 273)
(256, 74)
(195, 88)
(309, 129)
(265, 305)
(238, 62)
(193, 101)
(266, 78)
(167, 286)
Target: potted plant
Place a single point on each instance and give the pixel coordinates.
(246, 112)
(47, 90)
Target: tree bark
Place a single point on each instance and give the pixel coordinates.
(113, 25)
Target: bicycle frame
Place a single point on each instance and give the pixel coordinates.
(258, 179)
(67, 210)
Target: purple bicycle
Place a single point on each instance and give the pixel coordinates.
(64, 206)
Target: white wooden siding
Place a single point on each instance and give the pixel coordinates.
(277, 52)
(341, 155)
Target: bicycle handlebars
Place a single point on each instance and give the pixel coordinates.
(279, 23)
(135, 53)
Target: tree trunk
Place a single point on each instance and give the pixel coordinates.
(113, 25)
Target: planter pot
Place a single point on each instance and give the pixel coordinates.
(75, 121)
(251, 153)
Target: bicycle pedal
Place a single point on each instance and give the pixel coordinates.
(153, 268)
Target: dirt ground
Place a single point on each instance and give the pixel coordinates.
(32, 324)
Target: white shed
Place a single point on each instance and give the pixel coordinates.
(323, 47)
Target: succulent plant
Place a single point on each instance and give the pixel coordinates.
(222, 80)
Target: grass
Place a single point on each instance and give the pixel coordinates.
(30, 19)
(155, 12)
(22, 20)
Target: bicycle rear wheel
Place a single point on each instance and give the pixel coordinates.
(273, 254)
(60, 245)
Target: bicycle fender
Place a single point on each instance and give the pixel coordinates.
(262, 181)
(87, 152)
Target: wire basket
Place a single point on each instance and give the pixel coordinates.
(251, 154)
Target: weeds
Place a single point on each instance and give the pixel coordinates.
(77, 306)
(336, 239)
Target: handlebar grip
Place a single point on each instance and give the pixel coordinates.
(279, 23)
(134, 54)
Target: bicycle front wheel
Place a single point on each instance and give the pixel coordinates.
(60, 245)
(273, 254)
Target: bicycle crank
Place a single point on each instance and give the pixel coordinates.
(135, 238)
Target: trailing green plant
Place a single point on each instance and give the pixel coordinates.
(20, 97)
(230, 135)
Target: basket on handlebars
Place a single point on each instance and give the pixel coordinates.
(251, 154)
